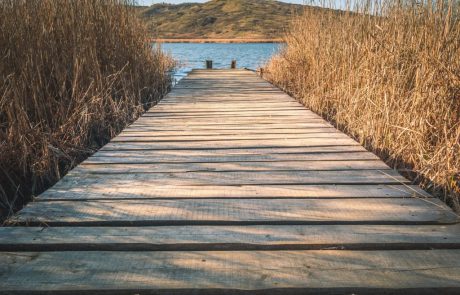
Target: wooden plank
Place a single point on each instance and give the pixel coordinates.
(184, 101)
(208, 238)
(232, 117)
(240, 144)
(290, 112)
(241, 132)
(109, 168)
(197, 156)
(227, 126)
(226, 89)
(99, 191)
(229, 90)
(167, 105)
(236, 212)
(222, 129)
(272, 110)
(285, 122)
(272, 95)
(221, 117)
(234, 272)
(223, 108)
(241, 89)
(262, 151)
(241, 178)
(227, 137)
(230, 94)
(232, 138)
(236, 119)
(229, 97)
(247, 123)
(190, 96)
(190, 108)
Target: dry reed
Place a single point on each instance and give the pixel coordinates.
(73, 74)
(387, 74)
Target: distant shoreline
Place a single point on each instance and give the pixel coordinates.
(215, 40)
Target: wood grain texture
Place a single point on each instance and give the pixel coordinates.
(239, 178)
(226, 272)
(225, 137)
(230, 186)
(250, 237)
(195, 133)
(242, 211)
(223, 144)
(225, 126)
(233, 166)
(221, 156)
(152, 191)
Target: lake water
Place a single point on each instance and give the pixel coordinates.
(193, 55)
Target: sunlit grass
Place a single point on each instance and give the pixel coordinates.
(73, 74)
(388, 75)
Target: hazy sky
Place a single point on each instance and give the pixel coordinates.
(150, 2)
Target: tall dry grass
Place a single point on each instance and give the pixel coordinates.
(72, 75)
(389, 75)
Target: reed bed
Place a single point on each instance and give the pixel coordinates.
(72, 75)
(388, 74)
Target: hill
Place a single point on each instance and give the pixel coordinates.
(219, 19)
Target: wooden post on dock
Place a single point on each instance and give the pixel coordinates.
(209, 64)
(233, 65)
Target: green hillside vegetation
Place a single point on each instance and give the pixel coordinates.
(219, 19)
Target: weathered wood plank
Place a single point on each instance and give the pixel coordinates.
(229, 126)
(294, 113)
(261, 151)
(287, 120)
(126, 190)
(166, 105)
(213, 98)
(180, 156)
(291, 115)
(297, 118)
(191, 94)
(108, 168)
(231, 117)
(241, 178)
(188, 109)
(236, 144)
(206, 238)
(301, 112)
(145, 131)
(228, 138)
(234, 272)
(236, 212)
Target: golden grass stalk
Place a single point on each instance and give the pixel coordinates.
(387, 74)
(72, 75)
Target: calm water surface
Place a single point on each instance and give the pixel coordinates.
(193, 55)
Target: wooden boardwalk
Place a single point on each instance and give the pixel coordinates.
(229, 186)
